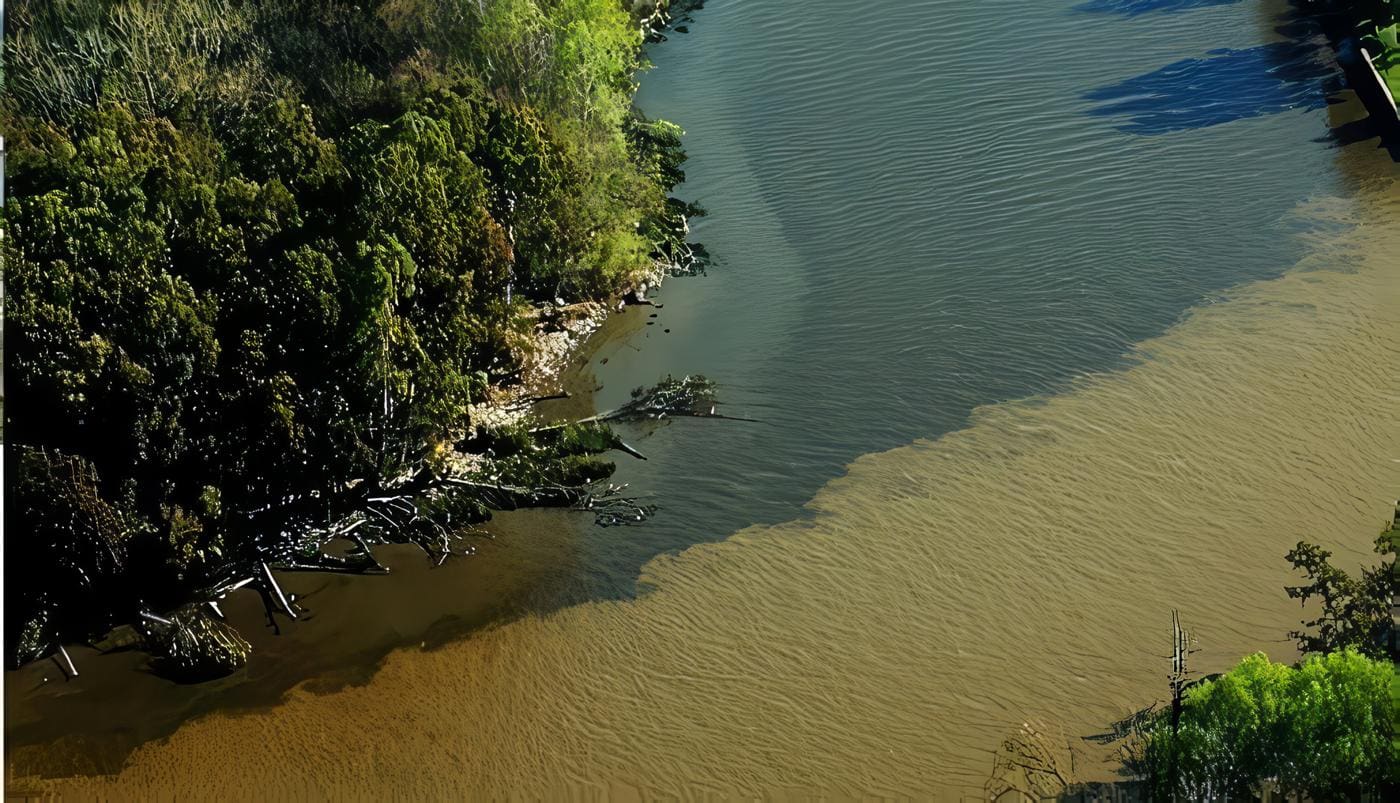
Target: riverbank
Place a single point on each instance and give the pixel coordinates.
(558, 335)
(523, 562)
(337, 630)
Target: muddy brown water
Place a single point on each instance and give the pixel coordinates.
(1034, 369)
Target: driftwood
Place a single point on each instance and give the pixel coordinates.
(1030, 765)
(417, 506)
(67, 663)
(687, 396)
(514, 497)
(392, 510)
(273, 599)
(362, 562)
(276, 592)
(690, 396)
(611, 509)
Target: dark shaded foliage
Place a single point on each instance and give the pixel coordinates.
(1355, 611)
(262, 255)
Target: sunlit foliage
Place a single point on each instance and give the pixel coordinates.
(1323, 729)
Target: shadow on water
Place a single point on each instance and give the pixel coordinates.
(1363, 129)
(1132, 8)
(1225, 86)
(1228, 85)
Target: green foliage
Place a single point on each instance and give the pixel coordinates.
(1355, 611)
(258, 250)
(1377, 24)
(1389, 36)
(585, 438)
(1323, 729)
(558, 456)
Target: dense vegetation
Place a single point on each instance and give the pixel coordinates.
(1322, 729)
(262, 255)
(1325, 729)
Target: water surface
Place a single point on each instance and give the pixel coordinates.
(1056, 316)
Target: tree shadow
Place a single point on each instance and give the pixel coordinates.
(1132, 8)
(1356, 131)
(1226, 85)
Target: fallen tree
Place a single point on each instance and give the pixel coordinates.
(436, 505)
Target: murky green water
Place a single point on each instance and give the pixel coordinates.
(1056, 317)
(916, 213)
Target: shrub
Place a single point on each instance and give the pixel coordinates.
(1323, 729)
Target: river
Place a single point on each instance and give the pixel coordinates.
(1053, 317)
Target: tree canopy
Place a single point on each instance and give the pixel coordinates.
(1322, 729)
(261, 250)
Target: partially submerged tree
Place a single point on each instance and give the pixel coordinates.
(1324, 729)
(1030, 765)
(1355, 611)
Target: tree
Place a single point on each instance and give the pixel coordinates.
(1323, 729)
(1355, 611)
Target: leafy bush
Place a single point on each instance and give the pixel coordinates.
(1323, 729)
